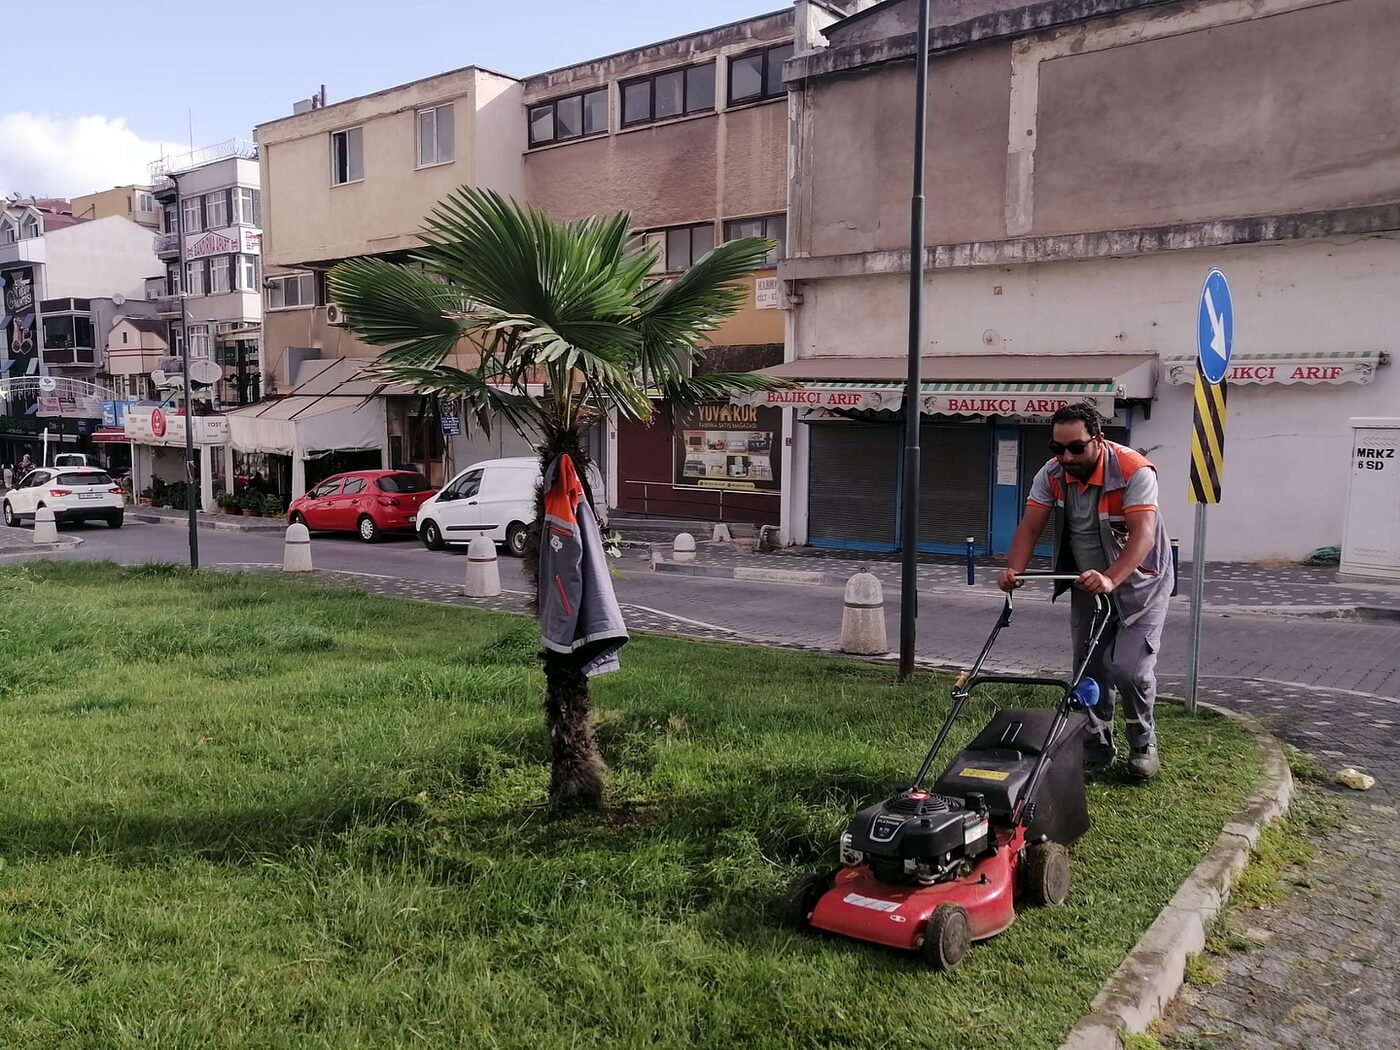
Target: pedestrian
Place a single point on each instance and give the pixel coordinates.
(8, 476)
(25, 465)
(1110, 533)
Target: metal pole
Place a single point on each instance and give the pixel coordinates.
(190, 497)
(909, 530)
(1198, 587)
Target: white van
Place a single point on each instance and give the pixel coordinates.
(494, 498)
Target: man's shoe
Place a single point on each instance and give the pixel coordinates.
(1144, 763)
(1098, 756)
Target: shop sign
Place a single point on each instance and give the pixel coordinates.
(853, 398)
(250, 241)
(149, 425)
(210, 244)
(1033, 406)
(1328, 370)
(737, 448)
(767, 294)
(70, 407)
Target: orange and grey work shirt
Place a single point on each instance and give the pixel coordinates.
(1081, 508)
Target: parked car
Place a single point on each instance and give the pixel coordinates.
(367, 502)
(72, 493)
(495, 499)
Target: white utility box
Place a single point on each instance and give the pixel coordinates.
(1371, 534)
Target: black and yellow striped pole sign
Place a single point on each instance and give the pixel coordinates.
(1215, 341)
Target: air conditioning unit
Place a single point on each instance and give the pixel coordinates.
(335, 316)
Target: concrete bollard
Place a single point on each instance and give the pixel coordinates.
(863, 619)
(45, 528)
(483, 575)
(722, 534)
(296, 549)
(684, 548)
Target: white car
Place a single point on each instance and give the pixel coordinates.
(72, 493)
(494, 498)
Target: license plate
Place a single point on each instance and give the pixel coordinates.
(89, 495)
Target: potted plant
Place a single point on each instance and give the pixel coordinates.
(271, 506)
(227, 502)
(248, 503)
(147, 497)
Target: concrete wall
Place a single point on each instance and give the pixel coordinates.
(904, 18)
(99, 258)
(234, 171)
(306, 219)
(119, 200)
(1286, 446)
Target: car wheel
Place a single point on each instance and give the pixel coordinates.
(114, 521)
(11, 518)
(947, 937)
(431, 535)
(1045, 880)
(515, 539)
(368, 530)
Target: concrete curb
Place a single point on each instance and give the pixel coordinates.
(66, 543)
(1153, 971)
(256, 525)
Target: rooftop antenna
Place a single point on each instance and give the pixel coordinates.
(190, 113)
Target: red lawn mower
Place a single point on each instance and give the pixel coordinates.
(934, 869)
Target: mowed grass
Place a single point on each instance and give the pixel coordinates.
(246, 812)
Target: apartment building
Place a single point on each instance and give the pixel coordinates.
(136, 203)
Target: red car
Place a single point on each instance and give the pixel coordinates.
(367, 502)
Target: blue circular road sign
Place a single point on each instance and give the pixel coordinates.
(1215, 327)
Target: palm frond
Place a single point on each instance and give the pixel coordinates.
(689, 391)
(394, 306)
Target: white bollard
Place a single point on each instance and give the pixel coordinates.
(863, 619)
(296, 552)
(722, 534)
(45, 528)
(483, 576)
(684, 548)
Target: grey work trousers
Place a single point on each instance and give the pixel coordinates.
(1125, 664)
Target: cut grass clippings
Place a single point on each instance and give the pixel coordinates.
(241, 811)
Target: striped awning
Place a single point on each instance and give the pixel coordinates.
(1323, 367)
(1033, 400)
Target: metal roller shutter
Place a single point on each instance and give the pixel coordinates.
(851, 485)
(954, 488)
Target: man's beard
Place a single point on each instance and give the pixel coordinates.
(1081, 471)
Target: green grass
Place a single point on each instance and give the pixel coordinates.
(241, 811)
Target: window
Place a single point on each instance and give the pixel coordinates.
(68, 332)
(465, 487)
(435, 135)
(326, 488)
(172, 279)
(686, 244)
(407, 482)
(353, 486)
(216, 210)
(9, 233)
(673, 93)
(569, 117)
(773, 227)
(30, 227)
(347, 156)
(201, 345)
(247, 207)
(298, 289)
(191, 212)
(758, 75)
(145, 202)
(219, 274)
(194, 277)
(247, 270)
(172, 219)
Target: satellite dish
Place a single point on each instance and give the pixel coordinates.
(118, 299)
(205, 371)
(47, 383)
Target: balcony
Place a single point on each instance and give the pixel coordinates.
(24, 250)
(168, 307)
(168, 244)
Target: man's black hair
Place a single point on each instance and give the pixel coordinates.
(1080, 413)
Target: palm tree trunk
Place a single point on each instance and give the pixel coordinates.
(576, 769)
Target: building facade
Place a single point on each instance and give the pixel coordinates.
(1088, 164)
(136, 203)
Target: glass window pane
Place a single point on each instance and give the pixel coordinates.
(427, 137)
(669, 88)
(357, 155)
(738, 228)
(446, 133)
(569, 117)
(777, 230)
(636, 101)
(677, 249)
(595, 111)
(700, 88)
(746, 78)
(702, 239)
(541, 124)
(773, 80)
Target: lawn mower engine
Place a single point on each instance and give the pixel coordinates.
(919, 838)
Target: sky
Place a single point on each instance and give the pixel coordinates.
(107, 88)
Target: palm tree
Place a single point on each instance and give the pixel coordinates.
(525, 298)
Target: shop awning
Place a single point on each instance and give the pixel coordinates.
(1022, 385)
(1341, 366)
(108, 435)
(303, 424)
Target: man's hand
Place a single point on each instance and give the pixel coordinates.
(1007, 580)
(1095, 582)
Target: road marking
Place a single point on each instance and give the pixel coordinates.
(678, 619)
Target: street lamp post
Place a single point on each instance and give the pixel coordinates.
(184, 276)
(909, 529)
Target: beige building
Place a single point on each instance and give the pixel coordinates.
(136, 203)
(1088, 165)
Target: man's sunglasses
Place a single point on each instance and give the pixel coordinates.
(1075, 447)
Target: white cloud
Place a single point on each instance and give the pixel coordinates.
(47, 156)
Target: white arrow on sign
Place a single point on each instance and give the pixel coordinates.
(1217, 328)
